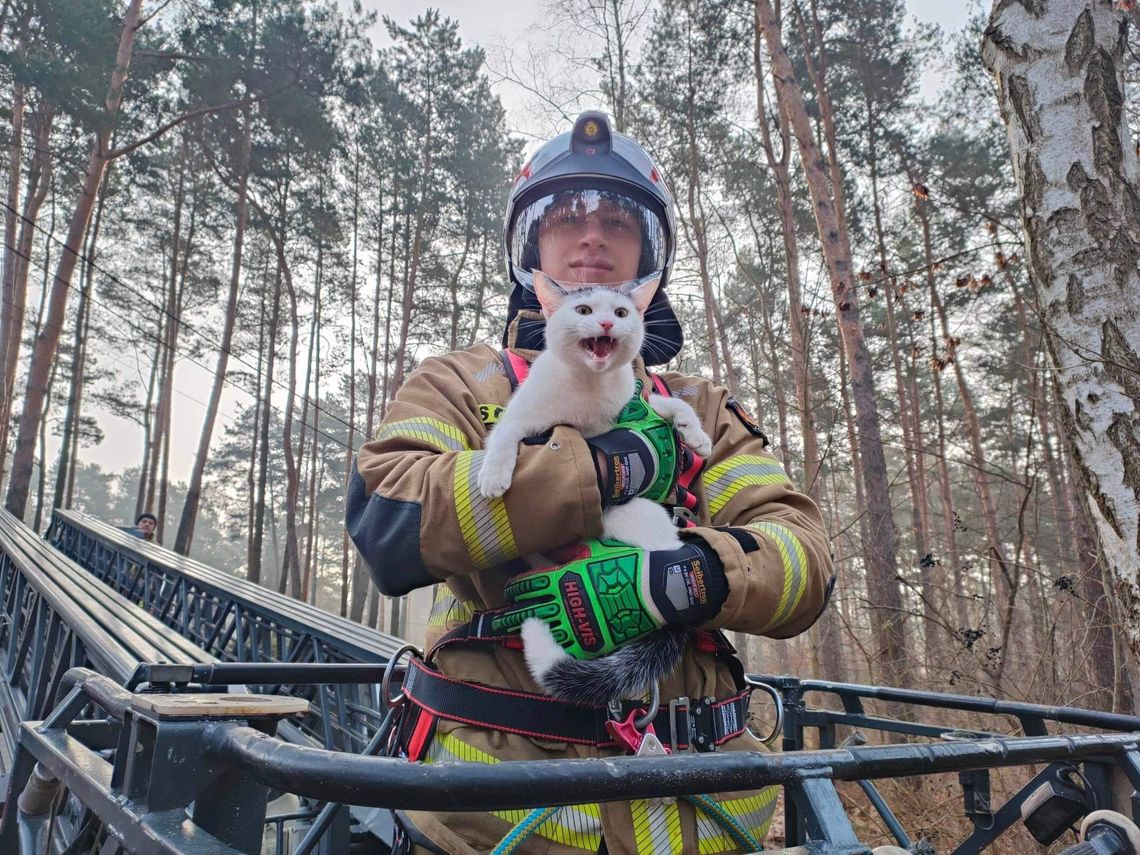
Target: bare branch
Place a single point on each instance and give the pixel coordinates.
(192, 114)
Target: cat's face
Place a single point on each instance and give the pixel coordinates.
(600, 328)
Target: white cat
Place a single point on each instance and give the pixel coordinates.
(583, 379)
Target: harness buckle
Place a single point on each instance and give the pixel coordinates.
(681, 703)
(392, 669)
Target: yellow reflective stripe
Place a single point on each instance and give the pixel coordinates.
(754, 813)
(483, 522)
(447, 610)
(795, 567)
(578, 826)
(428, 431)
(728, 478)
(656, 827)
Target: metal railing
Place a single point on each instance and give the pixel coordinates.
(178, 783)
(237, 621)
(261, 639)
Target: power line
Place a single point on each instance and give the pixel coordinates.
(156, 339)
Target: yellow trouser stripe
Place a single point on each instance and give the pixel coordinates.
(579, 826)
(753, 812)
(447, 610)
(483, 522)
(795, 567)
(656, 827)
(428, 431)
(726, 479)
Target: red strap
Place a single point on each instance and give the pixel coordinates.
(660, 386)
(418, 742)
(519, 365)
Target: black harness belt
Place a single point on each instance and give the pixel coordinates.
(699, 724)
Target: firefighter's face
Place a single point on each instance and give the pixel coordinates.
(583, 244)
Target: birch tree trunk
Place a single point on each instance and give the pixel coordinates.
(1058, 65)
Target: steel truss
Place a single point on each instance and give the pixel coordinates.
(237, 621)
(53, 617)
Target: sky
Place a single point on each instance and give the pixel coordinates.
(493, 24)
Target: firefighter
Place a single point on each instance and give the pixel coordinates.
(416, 516)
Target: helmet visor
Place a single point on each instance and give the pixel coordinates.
(588, 237)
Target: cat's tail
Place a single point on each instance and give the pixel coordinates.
(627, 673)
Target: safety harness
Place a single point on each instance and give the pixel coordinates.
(681, 724)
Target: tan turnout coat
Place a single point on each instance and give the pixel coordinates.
(417, 517)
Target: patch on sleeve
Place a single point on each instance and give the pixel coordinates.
(747, 420)
(489, 414)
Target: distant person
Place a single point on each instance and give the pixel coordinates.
(144, 526)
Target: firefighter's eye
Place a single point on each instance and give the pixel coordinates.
(621, 311)
(583, 310)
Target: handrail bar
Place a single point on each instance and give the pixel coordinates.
(965, 703)
(396, 783)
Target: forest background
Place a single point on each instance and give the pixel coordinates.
(275, 218)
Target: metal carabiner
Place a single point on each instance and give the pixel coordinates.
(390, 669)
(777, 702)
(642, 722)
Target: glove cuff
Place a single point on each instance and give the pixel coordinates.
(687, 585)
(626, 466)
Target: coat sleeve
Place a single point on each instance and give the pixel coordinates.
(769, 536)
(413, 507)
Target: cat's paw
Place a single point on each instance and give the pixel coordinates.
(495, 477)
(540, 648)
(693, 435)
(640, 523)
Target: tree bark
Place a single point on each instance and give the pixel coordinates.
(1059, 73)
(347, 552)
(917, 493)
(314, 366)
(185, 536)
(169, 340)
(69, 441)
(254, 447)
(47, 342)
(362, 581)
(798, 317)
(882, 572)
(12, 305)
(253, 571)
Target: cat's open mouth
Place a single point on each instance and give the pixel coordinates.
(601, 346)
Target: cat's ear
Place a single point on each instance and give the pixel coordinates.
(550, 294)
(642, 295)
